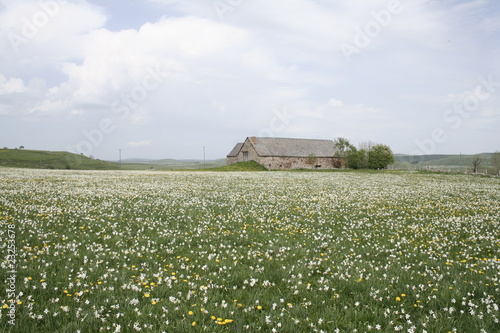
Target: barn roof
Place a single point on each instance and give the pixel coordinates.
(235, 150)
(288, 147)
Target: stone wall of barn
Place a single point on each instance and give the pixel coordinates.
(287, 163)
(232, 159)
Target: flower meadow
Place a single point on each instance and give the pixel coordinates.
(150, 251)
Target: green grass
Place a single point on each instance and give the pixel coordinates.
(241, 166)
(250, 251)
(39, 159)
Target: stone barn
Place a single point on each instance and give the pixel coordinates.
(287, 153)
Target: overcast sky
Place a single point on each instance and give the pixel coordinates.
(164, 78)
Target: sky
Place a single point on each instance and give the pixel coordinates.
(171, 79)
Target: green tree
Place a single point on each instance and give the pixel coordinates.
(379, 157)
(343, 146)
(346, 151)
(356, 159)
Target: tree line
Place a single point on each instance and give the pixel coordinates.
(368, 155)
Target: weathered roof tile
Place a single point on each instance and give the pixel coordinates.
(235, 150)
(289, 147)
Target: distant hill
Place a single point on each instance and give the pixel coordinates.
(443, 162)
(40, 159)
(171, 164)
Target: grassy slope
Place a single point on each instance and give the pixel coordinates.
(445, 161)
(40, 159)
(241, 166)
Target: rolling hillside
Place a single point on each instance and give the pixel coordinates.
(39, 159)
(443, 162)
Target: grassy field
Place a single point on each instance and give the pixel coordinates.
(133, 251)
(40, 159)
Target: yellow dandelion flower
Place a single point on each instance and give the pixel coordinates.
(190, 313)
(259, 307)
(147, 295)
(398, 299)
(193, 323)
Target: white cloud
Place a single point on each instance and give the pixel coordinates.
(46, 30)
(11, 85)
(231, 74)
(17, 98)
(335, 102)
